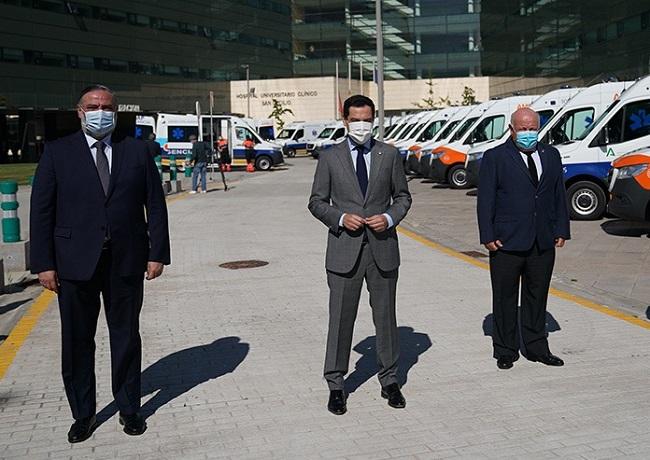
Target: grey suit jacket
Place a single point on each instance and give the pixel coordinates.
(336, 191)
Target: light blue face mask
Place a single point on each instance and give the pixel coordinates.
(98, 123)
(526, 140)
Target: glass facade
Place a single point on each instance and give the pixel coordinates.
(422, 38)
(50, 49)
(568, 38)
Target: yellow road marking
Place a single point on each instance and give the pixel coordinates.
(553, 291)
(18, 335)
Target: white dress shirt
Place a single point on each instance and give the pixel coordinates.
(368, 158)
(536, 159)
(108, 149)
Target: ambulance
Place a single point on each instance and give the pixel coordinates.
(414, 125)
(174, 132)
(448, 160)
(294, 137)
(567, 124)
(622, 128)
(419, 159)
(331, 135)
(629, 186)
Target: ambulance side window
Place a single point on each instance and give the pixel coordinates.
(242, 133)
(570, 126)
(299, 134)
(339, 133)
(637, 120)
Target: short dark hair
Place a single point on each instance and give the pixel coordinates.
(357, 101)
(96, 87)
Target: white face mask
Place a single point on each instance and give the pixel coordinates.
(360, 131)
(98, 123)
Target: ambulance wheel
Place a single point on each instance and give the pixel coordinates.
(587, 201)
(457, 177)
(263, 163)
(291, 153)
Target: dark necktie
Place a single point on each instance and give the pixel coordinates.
(362, 171)
(102, 166)
(532, 168)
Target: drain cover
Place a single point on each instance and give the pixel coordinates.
(474, 254)
(238, 264)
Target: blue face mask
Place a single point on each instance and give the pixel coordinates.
(98, 123)
(526, 140)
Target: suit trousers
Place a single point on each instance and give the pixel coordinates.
(79, 305)
(345, 291)
(532, 269)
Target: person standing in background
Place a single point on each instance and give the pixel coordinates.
(249, 149)
(200, 157)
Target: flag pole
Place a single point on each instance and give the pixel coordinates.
(380, 70)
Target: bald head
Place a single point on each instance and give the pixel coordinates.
(524, 119)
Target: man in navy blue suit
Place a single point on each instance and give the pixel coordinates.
(522, 216)
(98, 226)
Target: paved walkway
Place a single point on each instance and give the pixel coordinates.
(233, 359)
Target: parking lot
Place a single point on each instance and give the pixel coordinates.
(607, 260)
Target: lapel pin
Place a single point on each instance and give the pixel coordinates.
(378, 153)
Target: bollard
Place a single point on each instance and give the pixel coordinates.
(158, 161)
(172, 168)
(188, 168)
(10, 221)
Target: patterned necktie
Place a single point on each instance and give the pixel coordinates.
(102, 166)
(362, 171)
(532, 168)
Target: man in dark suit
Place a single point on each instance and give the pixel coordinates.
(89, 238)
(360, 193)
(523, 216)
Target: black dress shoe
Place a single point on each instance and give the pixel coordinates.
(504, 363)
(134, 424)
(549, 360)
(394, 396)
(336, 405)
(82, 429)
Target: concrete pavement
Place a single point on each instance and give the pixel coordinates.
(233, 358)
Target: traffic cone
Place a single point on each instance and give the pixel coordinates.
(250, 168)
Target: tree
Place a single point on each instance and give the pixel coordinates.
(469, 96)
(431, 101)
(428, 102)
(278, 111)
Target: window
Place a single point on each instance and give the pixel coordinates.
(325, 133)
(181, 133)
(12, 55)
(611, 133)
(570, 126)
(116, 65)
(286, 134)
(463, 128)
(544, 117)
(488, 129)
(85, 62)
(143, 131)
(339, 133)
(243, 133)
(431, 130)
(637, 120)
(115, 16)
(49, 5)
(299, 134)
(172, 26)
(448, 129)
(53, 59)
(138, 20)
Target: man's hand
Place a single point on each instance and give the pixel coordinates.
(353, 222)
(377, 223)
(494, 246)
(559, 242)
(49, 280)
(154, 270)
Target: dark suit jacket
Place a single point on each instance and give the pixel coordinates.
(336, 191)
(70, 214)
(511, 209)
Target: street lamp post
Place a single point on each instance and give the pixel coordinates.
(248, 89)
(380, 71)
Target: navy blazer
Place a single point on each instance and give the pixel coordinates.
(511, 209)
(70, 214)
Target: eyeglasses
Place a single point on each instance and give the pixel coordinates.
(93, 107)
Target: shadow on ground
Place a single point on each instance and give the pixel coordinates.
(183, 370)
(551, 324)
(12, 306)
(412, 345)
(620, 227)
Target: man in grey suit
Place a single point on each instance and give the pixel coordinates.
(360, 193)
